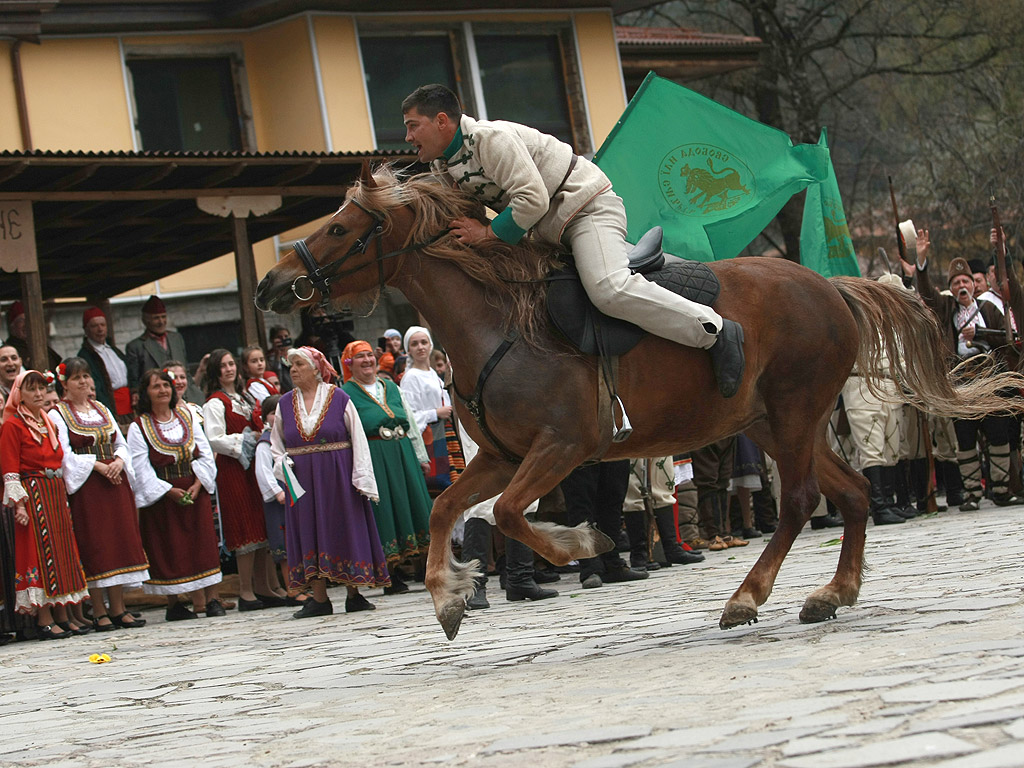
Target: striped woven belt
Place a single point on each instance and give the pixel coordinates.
(50, 473)
(174, 471)
(302, 450)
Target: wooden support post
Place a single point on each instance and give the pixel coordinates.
(35, 321)
(245, 269)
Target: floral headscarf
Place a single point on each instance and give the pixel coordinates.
(352, 349)
(324, 370)
(14, 406)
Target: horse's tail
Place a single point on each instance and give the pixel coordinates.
(896, 323)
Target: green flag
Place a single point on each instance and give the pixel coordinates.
(825, 243)
(710, 176)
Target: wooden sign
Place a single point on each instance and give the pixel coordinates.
(17, 237)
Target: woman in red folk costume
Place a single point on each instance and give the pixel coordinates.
(99, 477)
(175, 474)
(48, 570)
(233, 426)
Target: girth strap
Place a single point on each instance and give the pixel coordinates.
(475, 402)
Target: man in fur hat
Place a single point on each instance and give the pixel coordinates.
(959, 315)
(156, 346)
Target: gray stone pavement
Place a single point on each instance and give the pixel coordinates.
(928, 669)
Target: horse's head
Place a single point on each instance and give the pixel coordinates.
(350, 255)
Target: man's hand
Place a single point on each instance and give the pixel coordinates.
(968, 333)
(471, 231)
(924, 244)
(994, 239)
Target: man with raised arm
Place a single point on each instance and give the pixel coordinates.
(536, 182)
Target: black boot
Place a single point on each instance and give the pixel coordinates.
(519, 574)
(476, 545)
(674, 553)
(636, 531)
(953, 482)
(919, 484)
(727, 358)
(901, 475)
(891, 478)
(881, 511)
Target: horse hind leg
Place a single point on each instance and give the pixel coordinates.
(849, 491)
(449, 581)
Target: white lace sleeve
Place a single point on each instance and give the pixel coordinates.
(418, 447)
(363, 478)
(265, 472)
(205, 466)
(215, 423)
(76, 467)
(149, 488)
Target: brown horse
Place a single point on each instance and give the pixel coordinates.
(546, 403)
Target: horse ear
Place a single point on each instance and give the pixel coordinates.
(366, 175)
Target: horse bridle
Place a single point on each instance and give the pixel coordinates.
(320, 277)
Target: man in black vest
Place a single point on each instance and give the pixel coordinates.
(107, 364)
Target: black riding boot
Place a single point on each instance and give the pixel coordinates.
(639, 551)
(901, 475)
(881, 503)
(919, 484)
(519, 574)
(674, 553)
(476, 545)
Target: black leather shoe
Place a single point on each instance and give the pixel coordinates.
(47, 633)
(546, 577)
(311, 608)
(134, 624)
(179, 612)
(827, 521)
(682, 557)
(272, 601)
(398, 587)
(108, 627)
(358, 603)
(250, 605)
(727, 358)
(886, 517)
(214, 608)
(620, 575)
(528, 591)
(593, 581)
(478, 601)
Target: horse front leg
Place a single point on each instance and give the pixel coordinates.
(449, 581)
(798, 498)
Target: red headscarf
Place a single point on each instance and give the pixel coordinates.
(15, 406)
(351, 350)
(316, 359)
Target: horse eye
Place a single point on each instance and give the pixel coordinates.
(337, 230)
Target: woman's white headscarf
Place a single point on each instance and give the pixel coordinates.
(414, 329)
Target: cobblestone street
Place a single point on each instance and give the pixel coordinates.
(928, 669)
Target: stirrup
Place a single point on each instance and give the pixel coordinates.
(622, 432)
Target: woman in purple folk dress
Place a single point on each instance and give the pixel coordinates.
(321, 453)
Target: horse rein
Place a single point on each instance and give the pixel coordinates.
(319, 278)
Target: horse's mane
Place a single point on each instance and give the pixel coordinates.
(512, 275)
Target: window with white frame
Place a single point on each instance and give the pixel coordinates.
(526, 73)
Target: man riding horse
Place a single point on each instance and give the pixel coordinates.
(534, 181)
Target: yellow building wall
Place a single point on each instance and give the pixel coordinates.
(602, 74)
(75, 94)
(10, 133)
(344, 93)
(282, 83)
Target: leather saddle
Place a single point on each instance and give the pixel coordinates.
(595, 333)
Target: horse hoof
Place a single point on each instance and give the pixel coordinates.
(450, 617)
(816, 610)
(736, 614)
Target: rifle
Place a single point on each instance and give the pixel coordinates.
(1002, 279)
(901, 244)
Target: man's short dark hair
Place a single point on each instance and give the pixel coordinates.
(431, 99)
